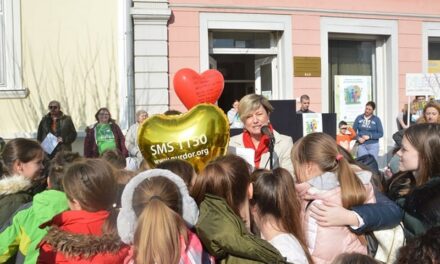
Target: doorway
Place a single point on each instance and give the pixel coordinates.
(248, 62)
(244, 74)
(352, 75)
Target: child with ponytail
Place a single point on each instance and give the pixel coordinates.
(276, 211)
(156, 209)
(87, 232)
(325, 177)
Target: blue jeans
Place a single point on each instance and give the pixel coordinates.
(372, 149)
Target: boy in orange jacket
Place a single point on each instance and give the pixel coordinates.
(345, 136)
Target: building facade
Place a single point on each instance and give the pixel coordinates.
(124, 54)
(255, 44)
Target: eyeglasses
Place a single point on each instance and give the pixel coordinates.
(53, 106)
(343, 128)
(103, 114)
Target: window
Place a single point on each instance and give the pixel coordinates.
(10, 50)
(431, 47)
(434, 54)
(2, 45)
(253, 51)
(248, 61)
(245, 40)
(350, 57)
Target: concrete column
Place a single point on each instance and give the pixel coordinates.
(151, 88)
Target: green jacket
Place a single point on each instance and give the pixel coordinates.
(225, 236)
(22, 233)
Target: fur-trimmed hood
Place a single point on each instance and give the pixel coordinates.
(14, 184)
(82, 245)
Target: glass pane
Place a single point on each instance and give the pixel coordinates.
(235, 67)
(434, 49)
(266, 77)
(242, 40)
(349, 57)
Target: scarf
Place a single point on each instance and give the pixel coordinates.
(262, 147)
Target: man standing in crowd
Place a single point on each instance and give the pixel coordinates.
(305, 103)
(368, 128)
(60, 125)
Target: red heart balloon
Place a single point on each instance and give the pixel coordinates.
(193, 88)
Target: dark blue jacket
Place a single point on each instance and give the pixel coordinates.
(384, 214)
(371, 127)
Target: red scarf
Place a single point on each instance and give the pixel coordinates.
(262, 148)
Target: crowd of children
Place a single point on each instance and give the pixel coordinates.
(331, 211)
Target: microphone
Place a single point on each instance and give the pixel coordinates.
(265, 130)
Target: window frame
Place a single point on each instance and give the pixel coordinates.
(252, 22)
(13, 84)
(387, 79)
(429, 29)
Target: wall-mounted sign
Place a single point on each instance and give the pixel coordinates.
(423, 84)
(307, 66)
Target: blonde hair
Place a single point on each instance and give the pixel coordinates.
(252, 102)
(159, 228)
(322, 150)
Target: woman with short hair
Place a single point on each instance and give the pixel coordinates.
(254, 111)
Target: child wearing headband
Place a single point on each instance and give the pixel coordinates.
(155, 215)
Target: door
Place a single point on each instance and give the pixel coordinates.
(265, 76)
(212, 63)
(352, 76)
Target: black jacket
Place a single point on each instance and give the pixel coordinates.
(64, 129)
(422, 207)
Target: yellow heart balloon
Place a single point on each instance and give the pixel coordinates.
(196, 136)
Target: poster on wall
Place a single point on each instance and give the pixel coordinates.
(352, 92)
(434, 66)
(312, 122)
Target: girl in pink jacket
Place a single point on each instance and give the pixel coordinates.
(324, 176)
